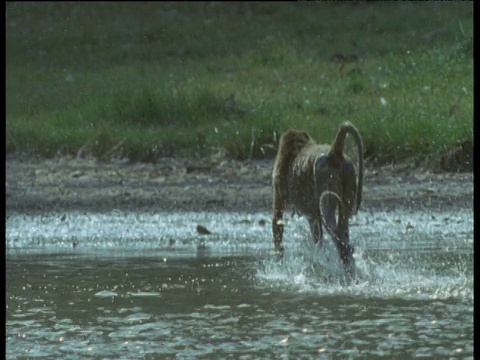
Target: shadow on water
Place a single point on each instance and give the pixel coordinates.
(149, 285)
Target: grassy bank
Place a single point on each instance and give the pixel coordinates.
(195, 79)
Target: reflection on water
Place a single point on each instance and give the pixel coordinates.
(222, 299)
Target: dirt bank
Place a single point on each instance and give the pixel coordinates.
(65, 184)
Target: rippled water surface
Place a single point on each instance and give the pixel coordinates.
(122, 285)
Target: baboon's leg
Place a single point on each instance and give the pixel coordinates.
(328, 207)
(345, 250)
(316, 230)
(277, 220)
(339, 232)
(349, 185)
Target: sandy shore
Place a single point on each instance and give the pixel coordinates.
(68, 184)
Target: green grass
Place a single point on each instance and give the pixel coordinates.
(146, 80)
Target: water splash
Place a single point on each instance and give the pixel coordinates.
(410, 274)
(232, 232)
(118, 230)
(397, 253)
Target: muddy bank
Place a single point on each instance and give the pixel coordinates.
(65, 184)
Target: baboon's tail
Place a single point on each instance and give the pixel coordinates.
(338, 147)
(323, 205)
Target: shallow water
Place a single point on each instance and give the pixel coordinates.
(122, 285)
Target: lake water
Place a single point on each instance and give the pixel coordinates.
(123, 285)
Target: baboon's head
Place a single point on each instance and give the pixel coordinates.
(293, 141)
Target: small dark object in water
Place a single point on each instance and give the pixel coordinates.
(203, 230)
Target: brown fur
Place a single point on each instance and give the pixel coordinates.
(303, 171)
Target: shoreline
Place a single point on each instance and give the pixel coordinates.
(35, 186)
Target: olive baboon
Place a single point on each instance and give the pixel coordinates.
(317, 181)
